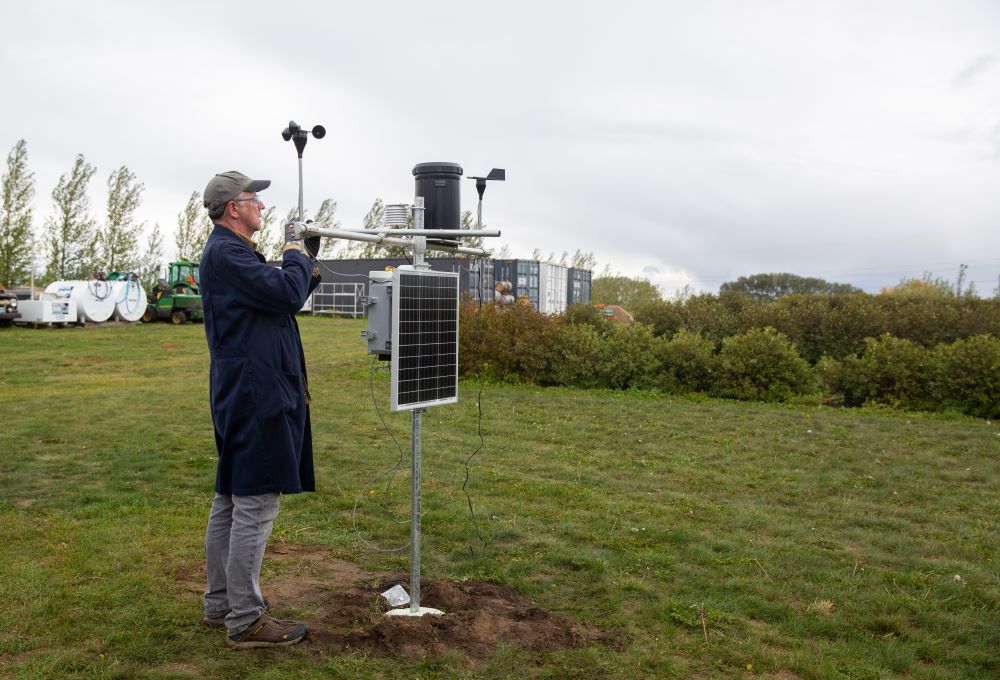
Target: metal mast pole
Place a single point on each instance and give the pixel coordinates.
(300, 187)
(415, 510)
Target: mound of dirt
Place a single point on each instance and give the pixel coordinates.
(340, 603)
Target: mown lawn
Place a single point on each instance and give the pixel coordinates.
(819, 543)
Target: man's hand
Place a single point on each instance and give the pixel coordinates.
(293, 236)
(293, 231)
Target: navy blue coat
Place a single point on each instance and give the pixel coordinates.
(257, 379)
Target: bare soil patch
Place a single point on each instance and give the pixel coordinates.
(340, 603)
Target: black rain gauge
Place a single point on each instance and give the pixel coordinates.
(413, 311)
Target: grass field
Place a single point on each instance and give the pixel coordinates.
(818, 543)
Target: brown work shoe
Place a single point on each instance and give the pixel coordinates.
(268, 632)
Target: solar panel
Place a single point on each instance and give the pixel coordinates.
(424, 339)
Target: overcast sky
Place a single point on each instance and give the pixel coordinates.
(687, 142)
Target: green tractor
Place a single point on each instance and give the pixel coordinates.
(178, 297)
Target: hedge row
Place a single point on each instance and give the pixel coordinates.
(515, 343)
(827, 325)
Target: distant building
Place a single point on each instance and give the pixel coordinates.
(549, 287)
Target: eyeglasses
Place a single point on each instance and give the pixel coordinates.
(255, 200)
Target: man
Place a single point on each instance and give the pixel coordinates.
(259, 402)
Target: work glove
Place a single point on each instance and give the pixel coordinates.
(312, 243)
(293, 236)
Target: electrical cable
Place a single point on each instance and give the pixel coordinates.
(479, 425)
(336, 273)
(391, 472)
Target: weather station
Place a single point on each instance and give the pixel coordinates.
(413, 310)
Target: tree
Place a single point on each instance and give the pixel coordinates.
(773, 286)
(503, 253)
(375, 219)
(193, 228)
(931, 287)
(582, 260)
(16, 239)
(623, 291)
(118, 242)
(269, 239)
(71, 230)
(150, 261)
(325, 220)
(468, 224)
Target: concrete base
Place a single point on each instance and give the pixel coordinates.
(405, 611)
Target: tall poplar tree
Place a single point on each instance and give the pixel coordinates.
(71, 230)
(269, 239)
(152, 257)
(119, 240)
(375, 219)
(16, 238)
(326, 219)
(193, 228)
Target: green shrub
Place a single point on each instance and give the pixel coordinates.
(575, 355)
(714, 317)
(580, 313)
(830, 374)
(826, 325)
(762, 365)
(968, 376)
(665, 317)
(892, 371)
(505, 342)
(687, 363)
(627, 358)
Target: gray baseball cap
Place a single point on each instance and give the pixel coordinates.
(226, 186)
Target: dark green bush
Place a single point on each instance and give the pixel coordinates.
(577, 350)
(762, 365)
(515, 343)
(505, 342)
(627, 357)
(687, 363)
(714, 317)
(827, 325)
(892, 371)
(581, 313)
(665, 317)
(968, 376)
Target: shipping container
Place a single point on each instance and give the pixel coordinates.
(345, 282)
(552, 295)
(523, 278)
(578, 287)
(480, 280)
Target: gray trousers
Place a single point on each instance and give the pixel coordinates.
(238, 529)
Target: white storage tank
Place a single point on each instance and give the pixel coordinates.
(130, 299)
(94, 299)
(552, 280)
